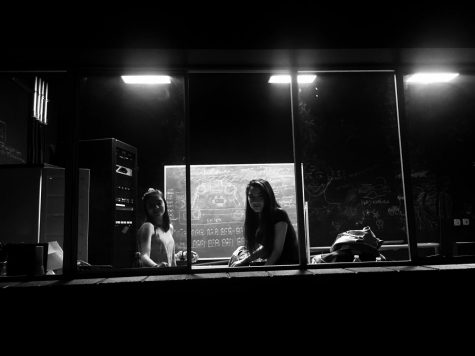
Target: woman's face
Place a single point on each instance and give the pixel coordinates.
(155, 206)
(255, 197)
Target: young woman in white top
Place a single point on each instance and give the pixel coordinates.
(156, 245)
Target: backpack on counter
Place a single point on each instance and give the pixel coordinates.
(363, 243)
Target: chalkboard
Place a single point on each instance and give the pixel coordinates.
(218, 201)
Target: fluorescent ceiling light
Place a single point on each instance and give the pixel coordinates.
(279, 79)
(146, 79)
(285, 78)
(427, 78)
(306, 78)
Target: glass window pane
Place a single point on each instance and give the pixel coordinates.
(441, 130)
(241, 131)
(351, 167)
(129, 133)
(32, 172)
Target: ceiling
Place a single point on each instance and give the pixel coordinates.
(308, 33)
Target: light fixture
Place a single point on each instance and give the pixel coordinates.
(285, 78)
(279, 79)
(146, 79)
(306, 78)
(431, 77)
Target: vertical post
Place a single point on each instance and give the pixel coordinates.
(405, 167)
(187, 172)
(294, 102)
(444, 211)
(71, 195)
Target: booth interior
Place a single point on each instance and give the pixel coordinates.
(344, 127)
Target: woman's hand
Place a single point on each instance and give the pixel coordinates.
(161, 264)
(237, 264)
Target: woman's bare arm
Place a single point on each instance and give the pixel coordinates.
(280, 230)
(144, 236)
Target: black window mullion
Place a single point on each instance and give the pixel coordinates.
(297, 170)
(71, 193)
(405, 167)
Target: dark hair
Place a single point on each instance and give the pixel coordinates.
(166, 219)
(260, 231)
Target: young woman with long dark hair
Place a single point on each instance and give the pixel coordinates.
(268, 232)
